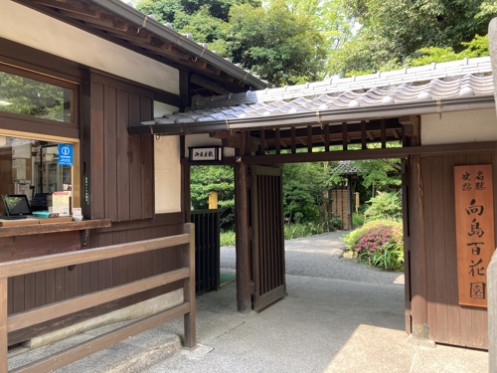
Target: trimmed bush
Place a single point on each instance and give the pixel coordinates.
(384, 206)
(378, 243)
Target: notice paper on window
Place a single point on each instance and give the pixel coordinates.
(61, 202)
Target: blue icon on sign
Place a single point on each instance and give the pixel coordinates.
(65, 155)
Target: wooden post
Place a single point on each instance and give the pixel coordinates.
(189, 288)
(185, 182)
(3, 326)
(417, 250)
(242, 226)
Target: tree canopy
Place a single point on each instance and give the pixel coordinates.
(293, 41)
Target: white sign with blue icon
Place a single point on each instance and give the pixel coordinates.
(65, 155)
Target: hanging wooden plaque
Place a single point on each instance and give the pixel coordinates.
(475, 238)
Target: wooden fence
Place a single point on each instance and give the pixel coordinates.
(207, 236)
(184, 242)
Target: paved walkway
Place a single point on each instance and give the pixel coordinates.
(339, 316)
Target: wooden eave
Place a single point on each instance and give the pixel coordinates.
(347, 135)
(155, 42)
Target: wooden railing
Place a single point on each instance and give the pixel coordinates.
(184, 242)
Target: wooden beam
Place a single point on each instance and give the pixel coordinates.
(428, 150)
(208, 84)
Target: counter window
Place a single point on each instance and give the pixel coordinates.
(41, 170)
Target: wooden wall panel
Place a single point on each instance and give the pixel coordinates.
(97, 152)
(122, 162)
(110, 152)
(448, 321)
(122, 179)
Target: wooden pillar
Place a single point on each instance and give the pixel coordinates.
(185, 182)
(242, 226)
(189, 288)
(417, 251)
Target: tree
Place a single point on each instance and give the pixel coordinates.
(393, 30)
(163, 10)
(305, 188)
(220, 179)
(281, 46)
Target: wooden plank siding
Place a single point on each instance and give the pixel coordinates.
(120, 171)
(122, 168)
(448, 322)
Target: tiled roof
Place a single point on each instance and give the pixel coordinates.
(347, 168)
(424, 85)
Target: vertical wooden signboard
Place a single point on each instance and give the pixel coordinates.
(474, 208)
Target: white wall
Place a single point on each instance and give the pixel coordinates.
(25, 26)
(459, 127)
(167, 174)
(167, 167)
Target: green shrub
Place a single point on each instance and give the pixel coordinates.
(357, 220)
(384, 206)
(228, 238)
(378, 243)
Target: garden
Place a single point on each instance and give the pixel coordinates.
(376, 238)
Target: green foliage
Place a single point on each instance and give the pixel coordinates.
(304, 187)
(20, 95)
(228, 238)
(294, 41)
(392, 31)
(281, 46)
(378, 243)
(384, 206)
(380, 174)
(220, 179)
(163, 10)
(358, 220)
(475, 48)
(297, 230)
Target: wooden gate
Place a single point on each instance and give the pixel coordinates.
(206, 250)
(268, 267)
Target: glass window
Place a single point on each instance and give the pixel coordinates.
(21, 95)
(38, 170)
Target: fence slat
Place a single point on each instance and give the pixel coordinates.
(63, 308)
(99, 343)
(32, 265)
(185, 242)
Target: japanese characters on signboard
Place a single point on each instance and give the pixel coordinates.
(475, 236)
(205, 153)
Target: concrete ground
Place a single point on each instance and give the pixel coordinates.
(339, 316)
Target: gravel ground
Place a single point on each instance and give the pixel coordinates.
(322, 256)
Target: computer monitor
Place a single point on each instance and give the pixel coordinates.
(16, 205)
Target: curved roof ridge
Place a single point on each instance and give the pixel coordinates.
(418, 74)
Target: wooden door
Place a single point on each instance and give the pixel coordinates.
(268, 267)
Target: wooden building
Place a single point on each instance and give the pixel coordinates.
(78, 73)
(99, 72)
(441, 115)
